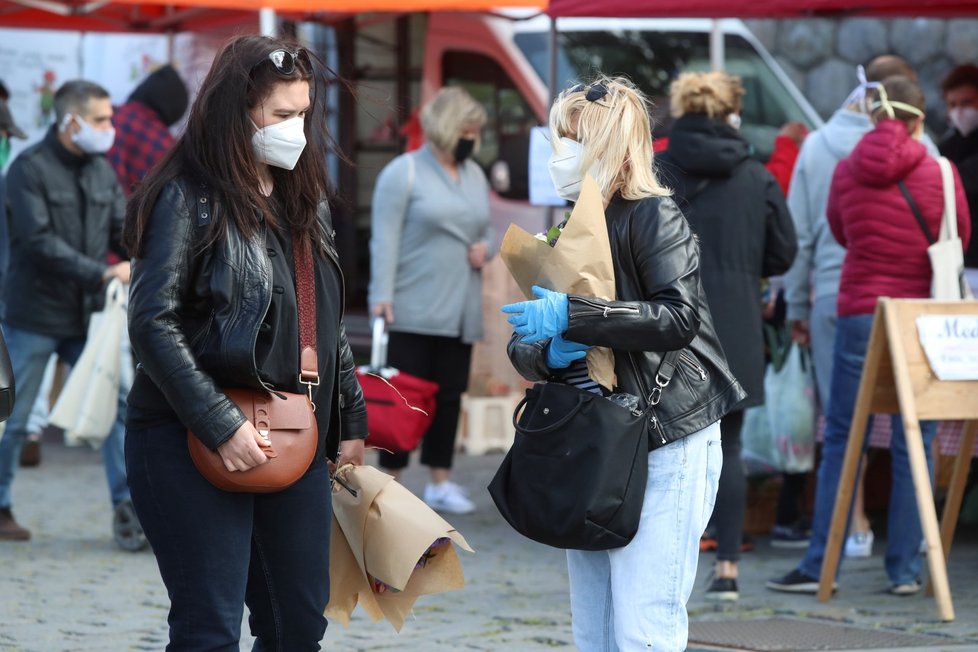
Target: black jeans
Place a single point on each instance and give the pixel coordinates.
(446, 361)
(218, 551)
(728, 521)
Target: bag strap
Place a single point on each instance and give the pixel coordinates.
(916, 212)
(305, 298)
(663, 375)
(949, 220)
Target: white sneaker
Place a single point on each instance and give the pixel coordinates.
(448, 497)
(859, 544)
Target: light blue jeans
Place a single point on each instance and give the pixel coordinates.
(29, 355)
(633, 599)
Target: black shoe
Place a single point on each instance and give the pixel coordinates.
(30, 452)
(722, 589)
(789, 536)
(126, 530)
(796, 582)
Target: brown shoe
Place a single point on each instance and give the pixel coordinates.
(10, 530)
(30, 453)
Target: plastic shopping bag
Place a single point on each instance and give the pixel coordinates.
(790, 403)
(757, 447)
(87, 405)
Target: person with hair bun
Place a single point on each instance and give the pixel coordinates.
(226, 232)
(886, 256)
(737, 210)
(634, 597)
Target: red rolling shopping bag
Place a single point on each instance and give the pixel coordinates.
(400, 407)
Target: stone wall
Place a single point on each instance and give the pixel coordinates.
(821, 54)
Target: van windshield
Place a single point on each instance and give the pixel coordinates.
(653, 59)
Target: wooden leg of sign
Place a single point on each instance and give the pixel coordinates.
(919, 471)
(850, 464)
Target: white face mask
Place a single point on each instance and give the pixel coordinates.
(280, 144)
(964, 119)
(89, 139)
(565, 169)
(734, 120)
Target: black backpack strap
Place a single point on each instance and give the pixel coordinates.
(916, 212)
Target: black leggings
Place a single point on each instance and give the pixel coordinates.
(444, 360)
(728, 515)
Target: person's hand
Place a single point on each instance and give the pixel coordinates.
(561, 353)
(800, 333)
(796, 131)
(246, 449)
(540, 319)
(351, 452)
(478, 254)
(385, 310)
(121, 271)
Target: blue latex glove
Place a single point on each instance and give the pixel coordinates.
(540, 319)
(561, 353)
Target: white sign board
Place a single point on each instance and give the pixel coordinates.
(542, 192)
(951, 345)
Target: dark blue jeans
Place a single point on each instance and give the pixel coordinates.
(218, 551)
(903, 562)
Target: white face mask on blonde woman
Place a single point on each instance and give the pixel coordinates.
(565, 169)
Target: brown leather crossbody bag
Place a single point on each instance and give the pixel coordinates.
(286, 420)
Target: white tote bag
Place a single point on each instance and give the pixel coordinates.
(947, 254)
(87, 405)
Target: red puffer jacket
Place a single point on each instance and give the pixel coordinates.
(886, 250)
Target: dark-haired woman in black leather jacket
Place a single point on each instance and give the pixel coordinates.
(634, 598)
(214, 304)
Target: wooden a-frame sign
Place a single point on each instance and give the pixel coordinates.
(897, 379)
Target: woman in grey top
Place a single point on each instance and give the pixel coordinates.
(430, 239)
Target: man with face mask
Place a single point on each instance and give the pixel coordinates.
(960, 144)
(66, 212)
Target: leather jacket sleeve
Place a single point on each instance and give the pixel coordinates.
(161, 278)
(529, 360)
(665, 257)
(353, 408)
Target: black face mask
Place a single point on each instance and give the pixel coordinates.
(464, 149)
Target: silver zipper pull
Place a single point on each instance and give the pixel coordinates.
(655, 426)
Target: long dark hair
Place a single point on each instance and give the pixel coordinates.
(216, 150)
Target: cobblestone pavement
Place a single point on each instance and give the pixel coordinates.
(70, 589)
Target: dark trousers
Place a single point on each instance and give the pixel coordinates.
(218, 551)
(728, 521)
(446, 361)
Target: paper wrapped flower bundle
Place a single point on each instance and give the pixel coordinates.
(387, 548)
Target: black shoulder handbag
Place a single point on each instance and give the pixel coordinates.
(6, 382)
(575, 476)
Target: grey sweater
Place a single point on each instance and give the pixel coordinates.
(421, 231)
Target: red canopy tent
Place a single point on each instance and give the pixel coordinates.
(763, 8)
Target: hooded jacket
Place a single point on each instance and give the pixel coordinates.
(736, 208)
(963, 152)
(886, 250)
(143, 124)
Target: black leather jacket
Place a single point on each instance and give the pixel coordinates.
(194, 318)
(661, 307)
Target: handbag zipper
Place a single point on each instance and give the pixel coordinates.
(608, 310)
(656, 425)
(692, 363)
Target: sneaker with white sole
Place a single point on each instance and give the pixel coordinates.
(908, 588)
(448, 497)
(796, 582)
(859, 544)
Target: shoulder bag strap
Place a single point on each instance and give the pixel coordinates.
(305, 296)
(916, 212)
(663, 375)
(949, 221)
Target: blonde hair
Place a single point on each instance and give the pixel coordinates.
(615, 131)
(715, 94)
(450, 112)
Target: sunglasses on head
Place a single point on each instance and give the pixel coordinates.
(592, 93)
(283, 60)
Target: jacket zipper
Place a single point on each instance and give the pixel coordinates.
(656, 424)
(609, 310)
(692, 363)
(202, 333)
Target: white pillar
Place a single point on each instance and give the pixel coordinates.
(267, 22)
(717, 54)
